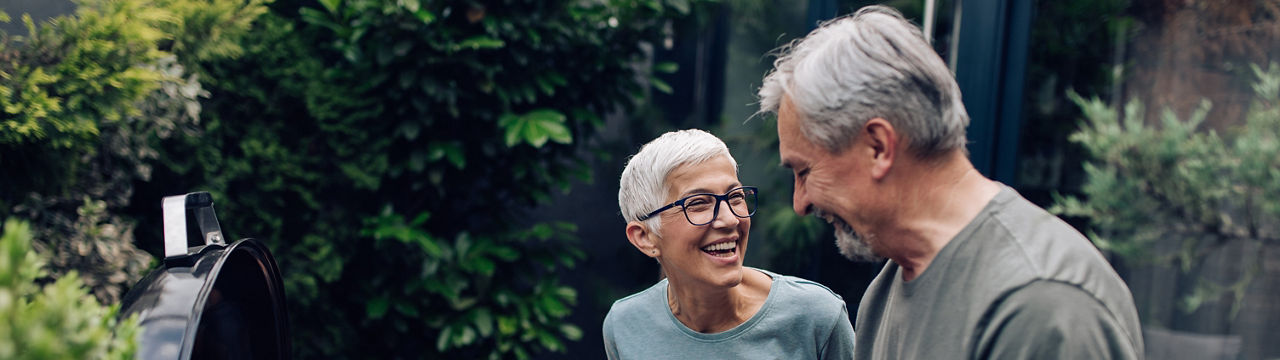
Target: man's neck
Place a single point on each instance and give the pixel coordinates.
(938, 201)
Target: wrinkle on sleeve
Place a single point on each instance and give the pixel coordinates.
(1051, 320)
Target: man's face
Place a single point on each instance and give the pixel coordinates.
(826, 184)
(709, 254)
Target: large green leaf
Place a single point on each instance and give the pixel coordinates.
(480, 42)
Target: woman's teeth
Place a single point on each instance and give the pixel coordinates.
(723, 249)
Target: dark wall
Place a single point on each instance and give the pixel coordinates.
(39, 10)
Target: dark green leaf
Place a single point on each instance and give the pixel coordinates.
(376, 308)
(567, 293)
(410, 130)
(453, 150)
(480, 42)
(466, 337)
(406, 309)
(660, 85)
(571, 332)
(425, 16)
(666, 67)
(442, 341)
(410, 5)
(558, 132)
(505, 253)
(542, 231)
(484, 266)
(513, 128)
(550, 342)
(484, 322)
(507, 325)
(331, 5)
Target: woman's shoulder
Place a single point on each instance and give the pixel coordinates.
(640, 305)
(807, 294)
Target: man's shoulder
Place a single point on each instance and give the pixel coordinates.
(1025, 246)
(1028, 237)
(1024, 219)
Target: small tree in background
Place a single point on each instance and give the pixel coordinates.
(59, 320)
(1175, 186)
(84, 101)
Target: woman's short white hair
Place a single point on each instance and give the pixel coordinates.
(873, 64)
(643, 186)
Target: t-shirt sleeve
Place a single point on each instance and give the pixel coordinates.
(610, 348)
(839, 344)
(1053, 320)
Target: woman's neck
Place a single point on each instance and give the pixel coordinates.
(712, 310)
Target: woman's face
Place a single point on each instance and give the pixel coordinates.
(709, 254)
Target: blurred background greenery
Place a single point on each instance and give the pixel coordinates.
(438, 179)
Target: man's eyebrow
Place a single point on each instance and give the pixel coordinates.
(785, 164)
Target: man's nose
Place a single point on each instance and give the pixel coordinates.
(799, 200)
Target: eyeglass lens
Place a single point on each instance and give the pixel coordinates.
(701, 209)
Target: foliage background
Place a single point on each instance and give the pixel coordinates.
(388, 152)
(430, 174)
(36, 318)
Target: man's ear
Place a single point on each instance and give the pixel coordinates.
(639, 235)
(883, 141)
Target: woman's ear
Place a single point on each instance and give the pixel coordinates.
(639, 235)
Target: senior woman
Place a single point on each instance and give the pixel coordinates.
(685, 207)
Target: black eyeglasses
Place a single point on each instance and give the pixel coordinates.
(702, 209)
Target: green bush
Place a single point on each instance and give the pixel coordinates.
(84, 99)
(388, 152)
(1149, 185)
(59, 320)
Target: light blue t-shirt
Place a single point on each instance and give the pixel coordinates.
(800, 319)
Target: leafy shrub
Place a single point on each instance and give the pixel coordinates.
(388, 151)
(53, 321)
(84, 100)
(1176, 183)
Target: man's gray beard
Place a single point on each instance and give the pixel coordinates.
(852, 245)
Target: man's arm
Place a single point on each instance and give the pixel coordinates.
(1052, 320)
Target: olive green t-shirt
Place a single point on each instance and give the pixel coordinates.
(1015, 283)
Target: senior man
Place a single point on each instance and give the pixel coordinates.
(871, 123)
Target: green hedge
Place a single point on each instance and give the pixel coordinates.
(84, 100)
(58, 320)
(389, 151)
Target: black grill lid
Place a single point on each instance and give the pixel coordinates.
(212, 300)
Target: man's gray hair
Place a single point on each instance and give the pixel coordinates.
(643, 186)
(873, 64)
